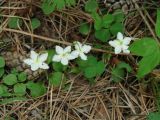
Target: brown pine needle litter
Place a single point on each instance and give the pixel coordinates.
(104, 100)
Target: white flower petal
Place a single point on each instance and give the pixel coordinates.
(78, 45)
(59, 50)
(43, 57)
(67, 49)
(86, 48)
(120, 36)
(83, 56)
(44, 66)
(56, 58)
(127, 40)
(117, 50)
(34, 67)
(64, 61)
(126, 51)
(75, 53)
(125, 47)
(113, 43)
(33, 55)
(28, 61)
(72, 56)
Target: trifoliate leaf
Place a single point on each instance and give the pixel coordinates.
(123, 65)
(47, 7)
(116, 27)
(90, 72)
(20, 89)
(10, 79)
(91, 6)
(107, 20)
(3, 89)
(117, 74)
(1, 72)
(58, 67)
(2, 62)
(84, 29)
(22, 77)
(153, 116)
(100, 68)
(70, 3)
(118, 16)
(60, 4)
(97, 21)
(56, 78)
(144, 47)
(35, 23)
(14, 22)
(148, 63)
(36, 89)
(157, 26)
(51, 53)
(103, 35)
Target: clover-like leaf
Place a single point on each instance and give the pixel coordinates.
(2, 62)
(10, 79)
(36, 89)
(35, 23)
(56, 78)
(91, 6)
(20, 89)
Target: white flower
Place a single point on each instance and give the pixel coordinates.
(63, 55)
(37, 61)
(120, 44)
(81, 50)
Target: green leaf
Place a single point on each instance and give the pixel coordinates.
(56, 78)
(119, 16)
(60, 4)
(153, 116)
(91, 6)
(35, 23)
(14, 22)
(100, 68)
(70, 3)
(102, 35)
(51, 53)
(1, 72)
(122, 65)
(144, 47)
(107, 20)
(2, 62)
(58, 67)
(157, 26)
(97, 21)
(3, 89)
(116, 27)
(148, 63)
(36, 89)
(22, 77)
(84, 29)
(47, 7)
(117, 74)
(10, 79)
(20, 89)
(90, 72)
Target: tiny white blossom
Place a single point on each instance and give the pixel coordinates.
(121, 44)
(37, 61)
(63, 55)
(81, 50)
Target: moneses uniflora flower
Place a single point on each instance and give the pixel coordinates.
(81, 50)
(37, 61)
(120, 44)
(63, 55)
